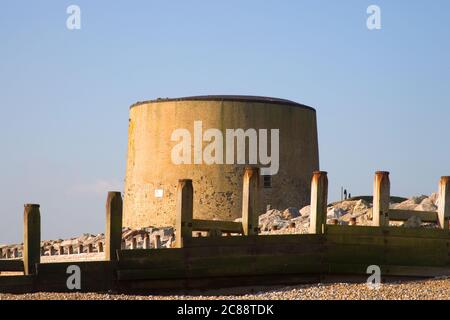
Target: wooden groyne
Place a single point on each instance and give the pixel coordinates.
(235, 254)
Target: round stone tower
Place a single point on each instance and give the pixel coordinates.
(202, 138)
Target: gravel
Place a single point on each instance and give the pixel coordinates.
(436, 289)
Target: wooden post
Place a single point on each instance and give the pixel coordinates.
(113, 236)
(31, 238)
(444, 203)
(250, 217)
(80, 249)
(90, 248)
(381, 199)
(100, 247)
(319, 202)
(185, 207)
(61, 250)
(70, 250)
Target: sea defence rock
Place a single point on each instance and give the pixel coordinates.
(355, 212)
(89, 243)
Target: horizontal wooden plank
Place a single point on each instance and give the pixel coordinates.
(159, 254)
(231, 266)
(432, 254)
(17, 284)
(157, 259)
(413, 271)
(388, 250)
(405, 215)
(251, 249)
(336, 239)
(224, 226)
(389, 270)
(254, 240)
(393, 255)
(389, 231)
(255, 250)
(423, 233)
(178, 286)
(153, 260)
(88, 266)
(95, 276)
(355, 254)
(11, 265)
(148, 274)
(388, 240)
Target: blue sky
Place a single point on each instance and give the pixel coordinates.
(382, 97)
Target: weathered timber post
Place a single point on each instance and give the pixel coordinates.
(90, 248)
(80, 249)
(250, 217)
(444, 203)
(381, 199)
(185, 207)
(319, 201)
(31, 238)
(61, 250)
(113, 236)
(70, 249)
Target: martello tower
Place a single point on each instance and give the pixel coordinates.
(152, 175)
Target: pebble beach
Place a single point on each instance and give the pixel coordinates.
(434, 289)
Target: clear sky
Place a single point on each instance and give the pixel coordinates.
(382, 96)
